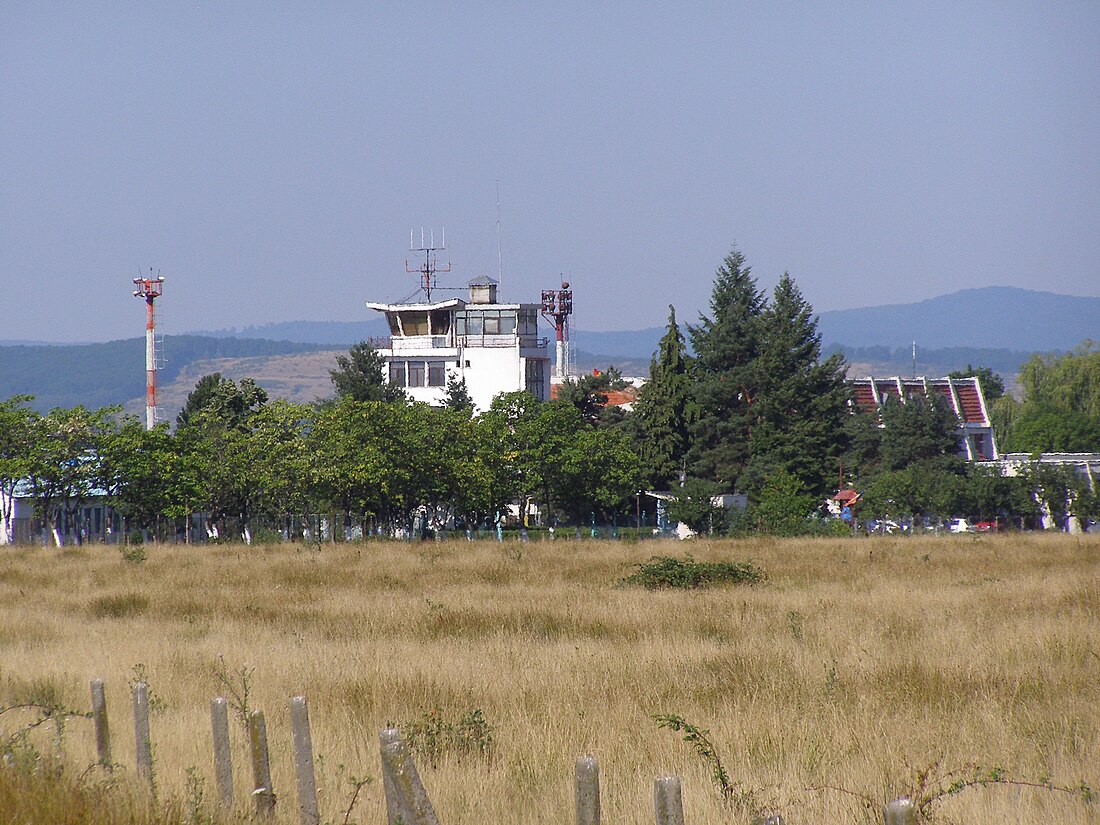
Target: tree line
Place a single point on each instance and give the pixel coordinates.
(751, 405)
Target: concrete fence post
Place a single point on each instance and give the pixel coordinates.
(143, 745)
(588, 791)
(303, 762)
(407, 801)
(262, 793)
(223, 758)
(900, 812)
(667, 803)
(99, 719)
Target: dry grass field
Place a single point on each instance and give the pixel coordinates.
(858, 664)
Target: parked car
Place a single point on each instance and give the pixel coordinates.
(959, 525)
(986, 527)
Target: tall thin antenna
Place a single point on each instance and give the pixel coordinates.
(150, 289)
(428, 270)
(914, 359)
(500, 255)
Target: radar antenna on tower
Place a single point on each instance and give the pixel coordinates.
(557, 306)
(150, 289)
(428, 270)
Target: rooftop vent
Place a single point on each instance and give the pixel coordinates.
(483, 290)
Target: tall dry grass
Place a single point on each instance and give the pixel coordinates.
(858, 663)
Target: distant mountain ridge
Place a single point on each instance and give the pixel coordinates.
(995, 317)
(998, 327)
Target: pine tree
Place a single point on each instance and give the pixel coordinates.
(727, 347)
(358, 376)
(798, 420)
(665, 409)
(458, 397)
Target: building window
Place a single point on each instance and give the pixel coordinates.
(535, 372)
(415, 322)
(492, 324)
(437, 374)
(416, 373)
(397, 373)
(441, 321)
(528, 322)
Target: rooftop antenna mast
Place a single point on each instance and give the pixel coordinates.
(557, 306)
(428, 270)
(150, 289)
(500, 256)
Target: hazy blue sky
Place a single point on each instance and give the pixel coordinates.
(270, 158)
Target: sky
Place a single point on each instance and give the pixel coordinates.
(269, 159)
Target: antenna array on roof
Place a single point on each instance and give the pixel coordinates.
(429, 268)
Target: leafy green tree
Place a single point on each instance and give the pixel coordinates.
(277, 448)
(17, 433)
(932, 487)
(1040, 427)
(199, 397)
(665, 410)
(1068, 382)
(727, 346)
(589, 394)
(138, 468)
(991, 495)
(223, 468)
(920, 428)
(358, 376)
(783, 505)
(694, 506)
(458, 397)
(64, 465)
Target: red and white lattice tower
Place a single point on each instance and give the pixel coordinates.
(150, 289)
(557, 306)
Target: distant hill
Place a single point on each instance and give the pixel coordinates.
(997, 327)
(992, 318)
(97, 375)
(329, 333)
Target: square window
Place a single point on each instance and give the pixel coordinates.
(437, 374)
(397, 373)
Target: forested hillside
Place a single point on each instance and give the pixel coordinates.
(96, 375)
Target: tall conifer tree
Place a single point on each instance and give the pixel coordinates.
(798, 422)
(727, 347)
(665, 409)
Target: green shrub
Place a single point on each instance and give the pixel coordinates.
(432, 737)
(665, 571)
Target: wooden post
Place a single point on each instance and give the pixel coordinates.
(588, 791)
(667, 803)
(99, 719)
(262, 792)
(303, 762)
(900, 812)
(223, 758)
(407, 801)
(143, 745)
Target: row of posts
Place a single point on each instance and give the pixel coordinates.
(407, 801)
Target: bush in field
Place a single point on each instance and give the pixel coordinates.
(662, 572)
(433, 737)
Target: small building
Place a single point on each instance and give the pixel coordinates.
(963, 397)
(494, 347)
